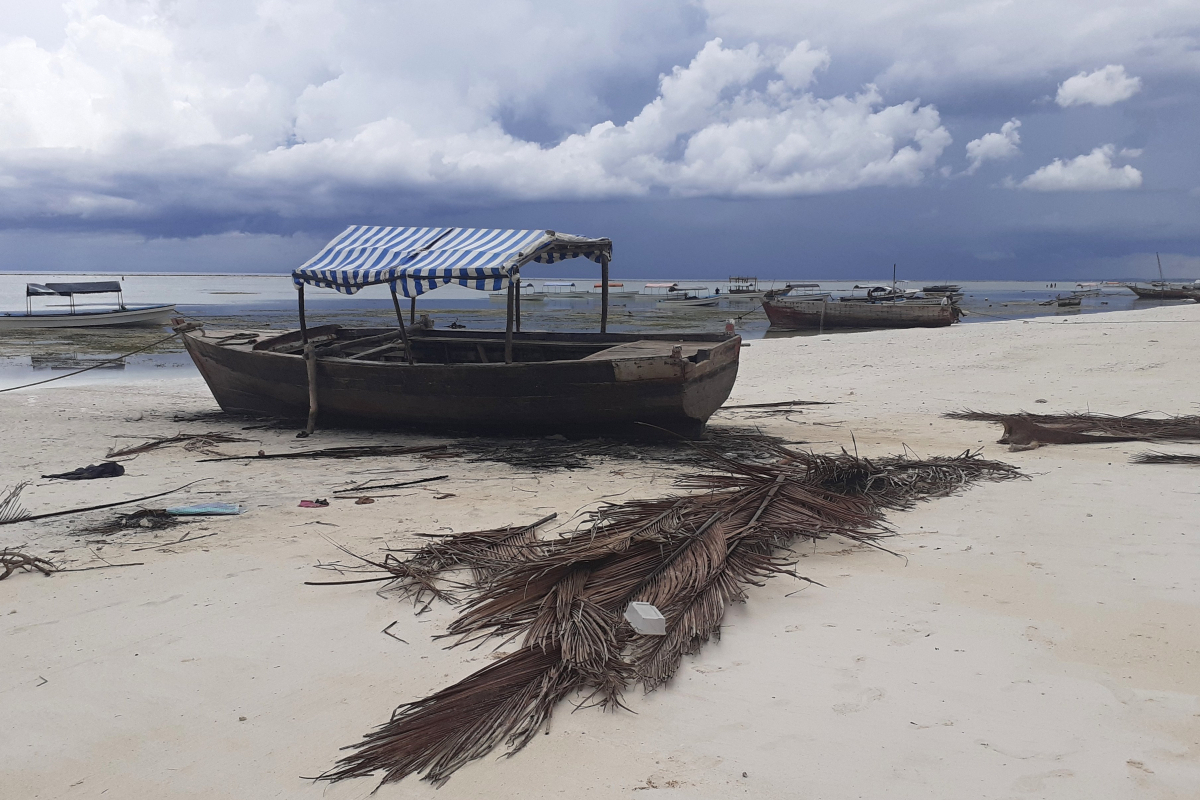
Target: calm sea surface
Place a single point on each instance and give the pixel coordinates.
(269, 301)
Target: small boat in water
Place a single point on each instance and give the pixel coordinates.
(678, 297)
(120, 316)
(490, 381)
(561, 290)
(823, 312)
(744, 287)
(529, 293)
(619, 294)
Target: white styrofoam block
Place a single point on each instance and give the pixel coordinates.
(646, 619)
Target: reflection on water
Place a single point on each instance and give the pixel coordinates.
(76, 361)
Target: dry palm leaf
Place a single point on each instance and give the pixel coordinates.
(690, 555)
(1026, 429)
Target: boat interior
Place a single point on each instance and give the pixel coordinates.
(433, 346)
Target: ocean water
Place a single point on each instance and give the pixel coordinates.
(269, 301)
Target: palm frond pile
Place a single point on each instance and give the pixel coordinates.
(689, 555)
(1039, 429)
(1166, 458)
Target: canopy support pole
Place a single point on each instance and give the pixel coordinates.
(303, 325)
(508, 326)
(412, 311)
(517, 304)
(310, 359)
(604, 294)
(403, 333)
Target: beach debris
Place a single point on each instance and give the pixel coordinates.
(13, 560)
(646, 619)
(1025, 431)
(364, 501)
(142, 519)
(1166, 458)
(781, 404)
(365, 487)
(27, 517)
(314, 503)
(364, 451)
(105, 469)
(10, 506)
(205, 510)
(192, 442)
(688, 555)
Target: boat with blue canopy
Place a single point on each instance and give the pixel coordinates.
(414, 375)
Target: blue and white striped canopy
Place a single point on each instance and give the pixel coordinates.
(417, 260)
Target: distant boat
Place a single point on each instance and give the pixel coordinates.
(564, 290)
(121, 316)
(953, 291)
(528, 293)
(619, 294)
(820, 313)
(1164, 291)
(677, 296)
(744, 287)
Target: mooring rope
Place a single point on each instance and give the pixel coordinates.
(94, 366)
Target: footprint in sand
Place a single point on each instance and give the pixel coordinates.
(865, 698)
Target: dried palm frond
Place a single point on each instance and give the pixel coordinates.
(690, 555)
(192, 442)
(1165, 458)
(10, 506)
(1080, 428)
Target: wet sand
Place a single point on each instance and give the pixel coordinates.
(1037, 638)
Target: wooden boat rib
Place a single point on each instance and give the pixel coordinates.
(821, 313)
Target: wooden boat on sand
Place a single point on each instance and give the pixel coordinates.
(822, 313)
(492, 381)
(1164, 291)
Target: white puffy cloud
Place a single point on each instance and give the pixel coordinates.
(939, 45)
(1100, 88)
(1093, 172)
(287, 108)
(994, 146)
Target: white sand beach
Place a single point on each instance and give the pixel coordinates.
(1033, 639)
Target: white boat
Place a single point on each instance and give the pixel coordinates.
(564, 290)
(121, 316)
(619, 294)
(687, 297)
(528, 294)
(745, 287)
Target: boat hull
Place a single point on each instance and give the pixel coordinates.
(1172, 293)
(797, 315)
(132, 317)
(573, 397)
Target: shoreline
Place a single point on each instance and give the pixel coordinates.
(1038, 637)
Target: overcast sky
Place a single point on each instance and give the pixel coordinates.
(1047, 139)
